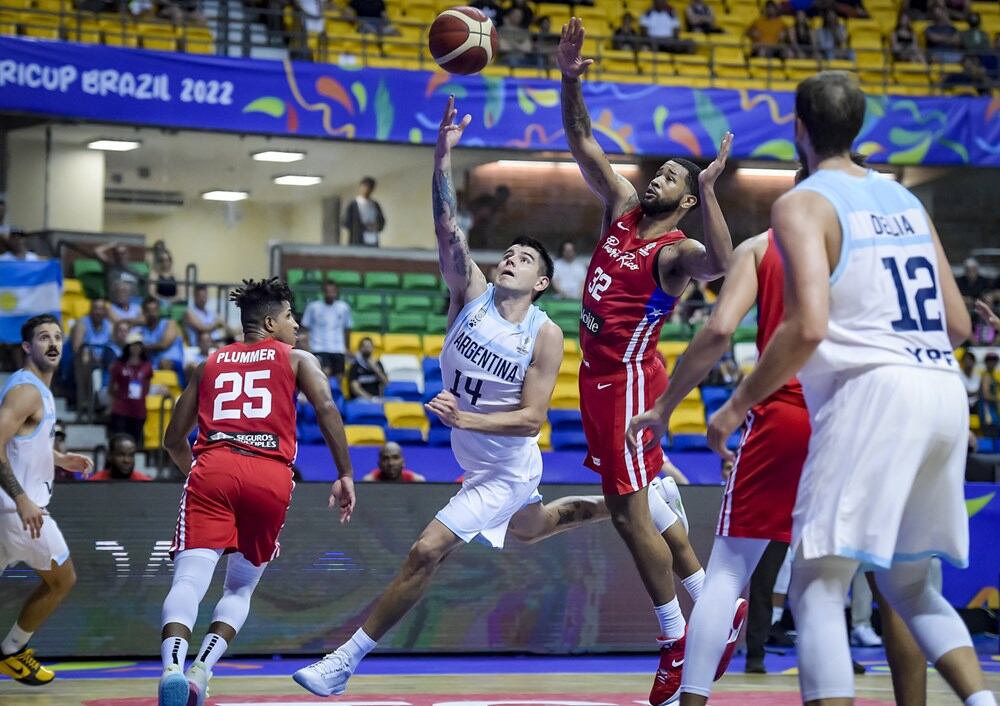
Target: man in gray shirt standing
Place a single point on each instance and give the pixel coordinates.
(363, 218)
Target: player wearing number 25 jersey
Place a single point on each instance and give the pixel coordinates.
(240, 480)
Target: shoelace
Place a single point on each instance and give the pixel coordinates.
(28, 659)
(333, 662)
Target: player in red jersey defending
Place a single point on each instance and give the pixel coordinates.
(240, 482)
(760, 491)
(640, 267)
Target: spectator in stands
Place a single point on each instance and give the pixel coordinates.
(122, 307)
(972, 75)
(392, 467)
(800, 38)
(329, 323)
(941, 37)
(180, 12)
(363, 218)
(971, 380)
(569, 273)
(524, 19)
(988, 316)
(162, 282)
(627, 37)
(903, 41)
(516, 46)
(958, 10)
(972, 285)
(130, 378)
(851, 9)
(201, 318)
(546, 45)
(371, 17)
(121, 461)
(767, 33)
(662, 25)
(919, 9)
(831, 38)
(989, 419)
(974, 40)
(701, 18)
(117, 267)
(17, 247)
(487, 210)
(91, 341)
(490, 8)
(162, 337)
(193, 357)
(119, 333)
(366, 378)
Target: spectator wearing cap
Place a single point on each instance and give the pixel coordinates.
(130, 378)
(121, 461)
(392, 467)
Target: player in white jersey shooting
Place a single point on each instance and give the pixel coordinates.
(27, 464)
(500, 361)
(872, 312)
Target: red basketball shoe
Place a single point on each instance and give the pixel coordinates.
(667, 683)
(739, 617)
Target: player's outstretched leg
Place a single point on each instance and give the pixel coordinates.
(17, 660)
(329, 676)
(230, 613)
(193, 569)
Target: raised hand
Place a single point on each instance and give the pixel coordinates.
(76, 463)
(570, 54)
(710, 173)
(342, 496)
(450, 132)
(987, 315)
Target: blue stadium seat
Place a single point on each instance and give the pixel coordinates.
(305, 413)
(310, 434)
(338, 394)
(364, 412)
(439, 436)
(431, 388)
(565, 420)
(410, 437)
(404, 390)
(569, 440)
(689, 442)
(733, 442)
(713, 398)
(432, 369)
(987, 446)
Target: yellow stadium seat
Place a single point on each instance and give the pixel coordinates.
(406, 415)
(364, 435)
(432, 345)
(159, 37)
(167, 379)
(72, 286)
(159, 409)
(571, 348)
(693, 65)
(356, 337)
(974, 423)
(569, 371)
(766, 68)
(736, 25)
(566, 396)
(545, 437)
(38, 25)
(800, 69)
(198, 40)
(729, 62)
(687, 420)
(671, 349)
(406, 343)
(85, 31)
(118, 34)
(910, 75)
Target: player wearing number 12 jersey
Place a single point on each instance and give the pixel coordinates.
(239, 484)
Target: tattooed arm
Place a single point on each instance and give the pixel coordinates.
(16, 413)
(615, 190)
(464, 278)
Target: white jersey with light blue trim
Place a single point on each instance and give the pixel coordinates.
(31, 456)
(886, 305)
(483, 363)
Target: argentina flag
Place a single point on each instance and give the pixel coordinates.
(27, 289)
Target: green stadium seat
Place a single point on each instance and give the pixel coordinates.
(93, 284)
(381, 280)
(413, 302)
(437, 323)
(85, 266)
(367, 321)
(404, 322)
(745, 334)
(369, 302)
(294, 276)
(177, 312)
(420, 280)
(674, 332)
(562, 307)
(344, 278)
(141, 268)
(569, 324)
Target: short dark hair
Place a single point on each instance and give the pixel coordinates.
(150, 300)
(369, 181)
(201, 288)
(118, 439)
(29, 326)
(257, 299)
(548, 267)
(366, 338)
(832, 108)
(691, 180)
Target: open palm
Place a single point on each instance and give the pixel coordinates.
(710, 173)
(570, 54)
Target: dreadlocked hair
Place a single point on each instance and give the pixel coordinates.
(258, 299)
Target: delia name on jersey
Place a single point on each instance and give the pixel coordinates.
(890, 225)
(486, 359)
(246, 357)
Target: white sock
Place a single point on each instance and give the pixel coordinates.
(15, 641)
(693, 583)
(212, 649)
(357, 647)
(174, 650)
(776, 614)
(981, 698)
(671, 620)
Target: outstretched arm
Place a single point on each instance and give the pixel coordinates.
(711, 260)
(464, 278)
(709, 344)
(615, 190)
(182, 421)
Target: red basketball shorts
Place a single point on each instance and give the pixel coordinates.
(760, 492)
(234, 502)
(607, 405)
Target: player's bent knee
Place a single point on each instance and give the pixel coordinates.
(426, 553)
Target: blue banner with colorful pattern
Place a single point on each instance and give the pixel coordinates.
(979, 585)
(167, 89)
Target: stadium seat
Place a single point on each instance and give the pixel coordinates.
(400, 322)
(569, 440)
(368, 320)
(744, 334)
(800, 69)
(688, 442)
(414, 303)
(381, 280)
(565, 396)
(420, 280)
(310, 433)
(431, 389)
(439, 436)
(369, 302)
(688, 420)
(713, 398)
(405, 437)
(158, 411)
(406, 415)
(545, 437)
(432, 369)
(167, 379)
(745, 355)
(197, 40)
(403, 390)
(565, 419)
(403, 367)
(118, 34)
(364, 435)
(364, 412)
(437, 323)
(402, 343)
(344, 278)
(569, 371)
(432, 345)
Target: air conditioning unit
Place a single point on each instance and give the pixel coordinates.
(142, 200)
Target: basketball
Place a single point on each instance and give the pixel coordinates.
(462, 40)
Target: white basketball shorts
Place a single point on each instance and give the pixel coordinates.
(16, 544)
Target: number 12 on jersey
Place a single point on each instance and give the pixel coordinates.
(927, 293)
(473, 391)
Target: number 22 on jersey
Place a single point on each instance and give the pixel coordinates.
(236, 385)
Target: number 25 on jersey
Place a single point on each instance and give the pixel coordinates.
(235, 385)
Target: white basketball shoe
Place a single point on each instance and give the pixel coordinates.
(328, 677)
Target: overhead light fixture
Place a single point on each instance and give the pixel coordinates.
(765, 172)
(541, 164)
(106, 145)
(220, 195)
(297, 180)
(278, 156)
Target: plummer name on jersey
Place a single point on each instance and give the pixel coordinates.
(258, 440)
(246, 356)
(486, 359)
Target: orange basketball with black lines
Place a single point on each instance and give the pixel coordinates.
(463, 40)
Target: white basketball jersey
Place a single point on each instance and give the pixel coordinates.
(31, 456)
(886, 305)
(483, 363)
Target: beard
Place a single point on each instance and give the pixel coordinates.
(660, 206)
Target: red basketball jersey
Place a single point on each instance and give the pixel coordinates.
(771, 310)
(623, 306)
(247, 400)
